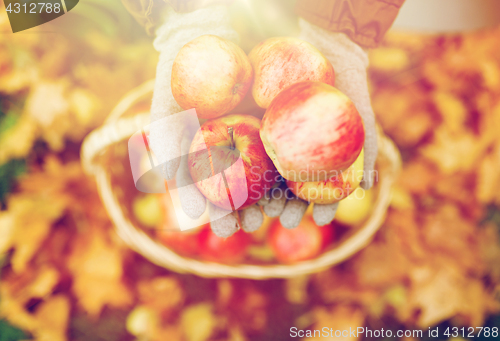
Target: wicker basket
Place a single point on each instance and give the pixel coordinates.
(119, 127)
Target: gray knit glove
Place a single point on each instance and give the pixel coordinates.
(349, 62)
(170, 138)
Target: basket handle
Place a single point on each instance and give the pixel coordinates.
(132, 97)
(116, 128)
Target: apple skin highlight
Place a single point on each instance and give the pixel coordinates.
(248, 172)
(310, 130)
(212, 75)
(281, 62)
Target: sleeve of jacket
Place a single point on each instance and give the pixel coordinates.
(364, 21)
(147, 12)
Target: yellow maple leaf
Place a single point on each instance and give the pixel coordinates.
(145, 323)
(83, 104)
(198, 322)
(491, 73)
(27, 215)
(296, 289)
(339, 318)
(488, 177)
(442, 292)
(161, 293)
(48, 101)
(452, 110)
(43, 284)
(452, 153)
(18, 141)
(97, 269)
(52, 319)
(141, 321)
(17, 290)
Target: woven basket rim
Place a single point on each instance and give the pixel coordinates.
(117, 129)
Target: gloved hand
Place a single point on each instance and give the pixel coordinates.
(170, 139)
(349, 61)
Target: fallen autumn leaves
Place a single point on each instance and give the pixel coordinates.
(434, 259)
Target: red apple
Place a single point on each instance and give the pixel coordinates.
(225, 250)
(304, 242)
(312, 131)
(332, 190)
(185, 243)
(281, 62)
(228, 163)
(328, 234)
(210, 74)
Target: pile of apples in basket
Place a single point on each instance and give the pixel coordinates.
(308, 145)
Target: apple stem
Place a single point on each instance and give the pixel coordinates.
(236, 88)
(230, 132)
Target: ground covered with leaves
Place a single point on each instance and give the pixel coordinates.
(67, 276)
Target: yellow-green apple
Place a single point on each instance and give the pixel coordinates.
(228, 163)
(281, 62)
(311, 131)
(210, 74)
(332, 190)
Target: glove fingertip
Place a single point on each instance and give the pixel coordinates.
(289, 223)
(293, 213)
(274, 208)
(324, 214)
(251, 218)
(277, 202)
(193, 203)
(265, 199)
(170, 168)
(368, 179)
(366, 184)
(225, 227)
